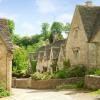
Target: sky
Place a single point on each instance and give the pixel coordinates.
(28, 15)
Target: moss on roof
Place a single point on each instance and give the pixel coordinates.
(5, 34)
(90, 18)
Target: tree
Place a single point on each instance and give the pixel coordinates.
(56, 30)
(20, 58)
(45, 30)
(67, 28)
(11, 26)
(25, 41)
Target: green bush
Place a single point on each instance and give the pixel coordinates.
(20, 74)
(80, 84)
(3, 92)
(66, 64)
(97, 72)
(76, 71)
(60, 74)
(41, 76)
(34, 63)
(91, 71)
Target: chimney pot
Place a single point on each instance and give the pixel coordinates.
(88, 3)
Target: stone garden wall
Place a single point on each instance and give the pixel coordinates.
(42, 84)
(92, 82)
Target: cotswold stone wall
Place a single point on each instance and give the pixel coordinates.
(92, 82)
(43, 84)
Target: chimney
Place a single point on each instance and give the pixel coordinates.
(88, 3)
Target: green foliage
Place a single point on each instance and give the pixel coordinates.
(20, 59)
(79, 85)
(60, 74)
(66, 64)
(3, 92)
(20, 74)
(45, 30)
(76, 71)
(41, 76)
(96, 92)
(66, 86)
(34, 63)
(97, 72)
(56, 30)
(11, 26)
(91, 71)
(67, 28)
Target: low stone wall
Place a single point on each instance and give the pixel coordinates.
(92, 82)
(21, 83)
(43, 84)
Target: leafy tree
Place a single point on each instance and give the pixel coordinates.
(11, 26)
(67, 28)
(56, 30)
(25, 41)
(45, 30)
(20, 58)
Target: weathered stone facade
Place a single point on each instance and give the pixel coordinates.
(46, 55)
(83, 40)
(5, 55)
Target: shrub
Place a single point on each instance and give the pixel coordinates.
(20, 74)
(91, 71)
(66, 64)
(34, 63)
(60, 74)
(3, 92)
(80, 84)
(76, 71)
(41, 76)
(97, 72)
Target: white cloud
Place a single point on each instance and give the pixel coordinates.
(28, 28)
(64, 18)
(46, 6)
(10, 16)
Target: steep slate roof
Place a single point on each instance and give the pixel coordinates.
(47, 49)
(91, 19)
(58, 43)
(5, 34)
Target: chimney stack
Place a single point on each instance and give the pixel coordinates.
(88, 3)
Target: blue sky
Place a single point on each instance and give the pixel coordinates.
(28, 15)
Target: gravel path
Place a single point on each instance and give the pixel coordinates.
(29, 94)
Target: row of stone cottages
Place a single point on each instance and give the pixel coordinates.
(82, 45)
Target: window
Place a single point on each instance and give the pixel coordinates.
(76, 52)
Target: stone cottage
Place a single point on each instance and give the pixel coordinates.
(62, 55)
(47, 55)
(6, 48)
(83, 44)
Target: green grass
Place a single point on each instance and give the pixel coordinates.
(78, 85)
(3, 92)
(97, 92)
